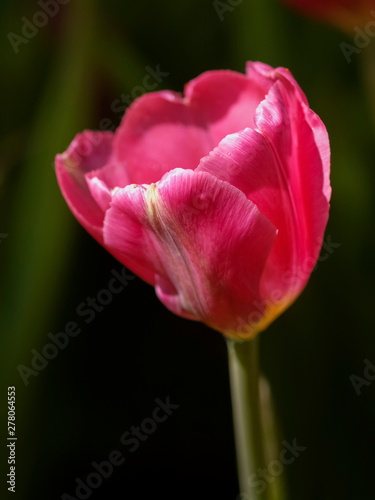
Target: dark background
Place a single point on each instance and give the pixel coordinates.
(74, 411)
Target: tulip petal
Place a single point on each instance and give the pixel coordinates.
(297, 105)
(206, 243)
(225, 100)
(159, 133)
(89, 151)
(99, 191)
(269, 76)
(303, 156)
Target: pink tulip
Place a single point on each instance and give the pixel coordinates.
(219, 198)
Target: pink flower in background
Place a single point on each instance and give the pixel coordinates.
(345, 14)
(219, 198)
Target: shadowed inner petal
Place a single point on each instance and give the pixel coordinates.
(162, 130)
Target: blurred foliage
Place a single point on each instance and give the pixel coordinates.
(73, 412)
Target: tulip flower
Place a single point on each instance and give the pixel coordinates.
(345, 14)
(218, 198)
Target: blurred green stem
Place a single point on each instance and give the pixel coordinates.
(248, 419)
(244, 380)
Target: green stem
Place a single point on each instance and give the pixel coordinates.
(244, 380)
